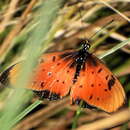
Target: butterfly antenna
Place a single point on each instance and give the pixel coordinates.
(103, 27)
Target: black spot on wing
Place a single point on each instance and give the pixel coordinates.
(80, 86)
(53, 58)
(98, 98)
(111, 82)
(68, 71)
(58, 64)
(53, 96)
(91, 96)
(82, 103)
(47, 94)
(92, 85)
(105, 90)
(42, 84)
(49, 73)
(99, 84)
(107, 77)
(92, 72)
(63, 82)
(99, 70)
(57, 80)
(42, 94)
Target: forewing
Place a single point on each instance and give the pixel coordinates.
(97, 87)
(51, 78)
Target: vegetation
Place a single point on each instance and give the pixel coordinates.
(30, 27)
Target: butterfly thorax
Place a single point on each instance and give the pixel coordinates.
(81, 59)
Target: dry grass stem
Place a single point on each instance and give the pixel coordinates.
(113, 120)
(118, 12)
(8, 41)
(8, 15)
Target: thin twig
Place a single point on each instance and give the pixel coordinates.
(12, 8)
(40, 116)
(118, 12)
(7, 42)
(108, 122)
(115, 48)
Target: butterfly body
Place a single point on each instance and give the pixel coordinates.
(75, 72)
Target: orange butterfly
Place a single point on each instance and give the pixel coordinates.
(79, 73)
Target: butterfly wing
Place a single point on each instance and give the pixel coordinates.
(97, 87)
(51, 78)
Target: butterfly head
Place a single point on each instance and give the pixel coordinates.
(85, 45)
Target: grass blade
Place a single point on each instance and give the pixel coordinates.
(45, 17)
(115, 48)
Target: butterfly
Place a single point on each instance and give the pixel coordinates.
(76, 72)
